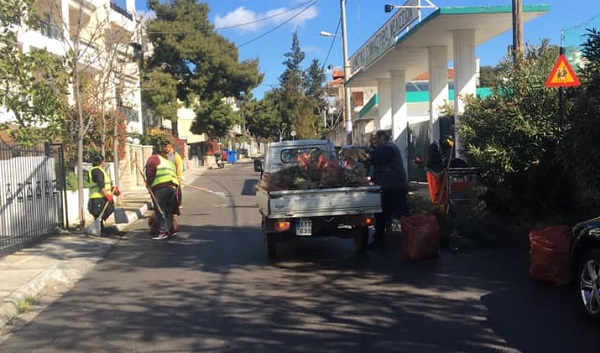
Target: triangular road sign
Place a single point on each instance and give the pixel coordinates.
(562, 74)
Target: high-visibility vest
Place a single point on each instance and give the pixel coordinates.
(95, 191)
(165, 173)
(178, 161)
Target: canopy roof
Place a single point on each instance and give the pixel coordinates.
(409, 52)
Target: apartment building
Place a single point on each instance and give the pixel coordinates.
(106, 37)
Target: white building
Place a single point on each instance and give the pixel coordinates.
(106, 36)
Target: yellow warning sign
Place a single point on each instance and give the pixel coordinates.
(562, 74)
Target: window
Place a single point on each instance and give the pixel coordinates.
(130, 114)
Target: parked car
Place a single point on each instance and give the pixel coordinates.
(585, 264)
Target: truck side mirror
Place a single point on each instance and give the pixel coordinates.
(258, 165)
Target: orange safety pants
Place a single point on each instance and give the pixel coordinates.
(437, 187)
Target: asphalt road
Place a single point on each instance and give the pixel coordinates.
(212, 289)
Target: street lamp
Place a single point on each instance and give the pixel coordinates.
(389, 7)
(328, 34)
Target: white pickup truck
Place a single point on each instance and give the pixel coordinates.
(287, 214)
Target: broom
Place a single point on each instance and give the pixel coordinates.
(158, 208)
(218, 193)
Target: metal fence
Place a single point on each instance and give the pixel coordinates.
(32, 203)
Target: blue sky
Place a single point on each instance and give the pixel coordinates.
(263, 28)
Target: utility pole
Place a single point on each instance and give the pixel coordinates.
(347, 98)
(517, 9)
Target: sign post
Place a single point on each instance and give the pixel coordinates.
(562, 75)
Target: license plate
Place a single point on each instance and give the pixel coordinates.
(304, 227)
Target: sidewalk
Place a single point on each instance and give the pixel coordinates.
(66, 257)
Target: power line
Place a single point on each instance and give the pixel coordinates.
(264, 18)
(280, 25)
(332, 41)
(310, 2)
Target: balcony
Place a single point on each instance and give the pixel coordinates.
(130, 114)
(118, 9)
(51, 31)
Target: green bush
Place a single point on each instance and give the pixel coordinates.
(72, 184)
(581, 151)
(513, 137)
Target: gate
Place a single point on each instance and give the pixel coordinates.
(32, 203)
(418, 143)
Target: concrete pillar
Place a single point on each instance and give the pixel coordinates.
(384, 92)
(438, 87)
(465, 80)
(399, 113)
(399, 108)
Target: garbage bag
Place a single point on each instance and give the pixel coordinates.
(549, 252)
(420, 237)
(95, 228)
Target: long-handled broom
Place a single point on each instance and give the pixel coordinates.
(152, 196)
(218, 193)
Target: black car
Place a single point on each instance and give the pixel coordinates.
(585, 264)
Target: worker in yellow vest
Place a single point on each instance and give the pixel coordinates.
(175, 157)
(101, 192)
(161, 176)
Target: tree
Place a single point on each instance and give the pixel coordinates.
(301, 97)
(33, 83)
(94, 140)
(204, 65)
(315, 92)
(291, 94)
(97, 65)
(487, 76)
(513, 137)
(159, 91)
(215, 118)
(263, 120)
(582, 151)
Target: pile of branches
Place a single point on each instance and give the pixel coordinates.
(317, 171)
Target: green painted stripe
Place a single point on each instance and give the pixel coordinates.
(418, 97)
(370, 104)
(457, 10)
(467, 10)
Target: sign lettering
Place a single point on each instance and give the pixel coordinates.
(385, 37)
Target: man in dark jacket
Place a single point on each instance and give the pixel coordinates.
(390, 175)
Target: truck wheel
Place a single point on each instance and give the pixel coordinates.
(271, 245)
(589, 283)
(361, 238)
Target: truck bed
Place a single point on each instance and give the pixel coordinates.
(319, 202)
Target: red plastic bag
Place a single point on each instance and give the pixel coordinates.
(420, 237)
(549, 255)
